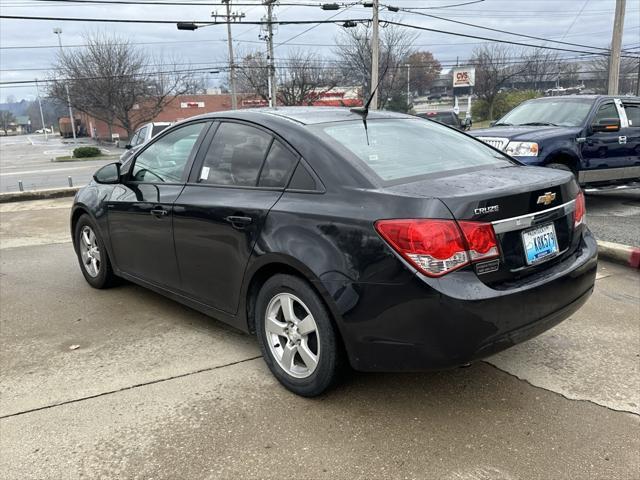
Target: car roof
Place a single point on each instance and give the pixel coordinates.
(305, 115)
(588, 97)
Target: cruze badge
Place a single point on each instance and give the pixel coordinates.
(546, 199)
(490, 209)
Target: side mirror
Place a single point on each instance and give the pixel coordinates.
(109, 174)
(128, 146)
(606, 125)
(493, 123)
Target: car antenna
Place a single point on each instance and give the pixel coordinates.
(364, 111)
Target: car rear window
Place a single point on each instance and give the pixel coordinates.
(157, 129)
(406, 148)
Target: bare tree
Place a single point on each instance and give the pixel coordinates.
(540, 66)
(114, 81)
(6, 119)
(424, 70)
(599, 70)
(302, 77)
(354, 52)
(495, 67)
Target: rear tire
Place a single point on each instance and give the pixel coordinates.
(92, 254)
(296, 335)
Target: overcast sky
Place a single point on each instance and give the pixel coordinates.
(587, 22)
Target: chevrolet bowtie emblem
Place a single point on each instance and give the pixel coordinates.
(546, 199)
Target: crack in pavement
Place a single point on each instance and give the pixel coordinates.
(616, 410)
(130, 387)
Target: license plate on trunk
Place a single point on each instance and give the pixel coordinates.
(540, 243)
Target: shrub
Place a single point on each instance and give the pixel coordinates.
(84, 152)
(504, 102)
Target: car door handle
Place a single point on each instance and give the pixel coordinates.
(238, 222)
(159, 212)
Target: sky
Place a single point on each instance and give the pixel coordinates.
(587, 22)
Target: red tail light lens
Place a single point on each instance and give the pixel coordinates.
(580, 211)
(437, 247)
(481, 240)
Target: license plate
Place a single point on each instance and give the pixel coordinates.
(540, 243)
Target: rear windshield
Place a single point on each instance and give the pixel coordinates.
(406, 148)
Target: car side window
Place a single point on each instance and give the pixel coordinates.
(608, 110)
(633, 114)
(302, 179)
(277, 167)
(142, 135)
(134, 139)
(166, 158)
(235, 156)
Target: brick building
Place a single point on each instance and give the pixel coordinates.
(185, 106)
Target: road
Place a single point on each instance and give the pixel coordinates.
(27, 158)
(156, 390)
(615, 216)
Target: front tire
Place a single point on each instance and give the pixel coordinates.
(92, 254)
(296, 335)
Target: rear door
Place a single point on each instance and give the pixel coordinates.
(632, 134)
(218, 217)
(140, 210)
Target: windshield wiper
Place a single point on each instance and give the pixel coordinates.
(364, 111)
(503, 124)
(539, 124)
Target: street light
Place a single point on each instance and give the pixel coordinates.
(58, 32)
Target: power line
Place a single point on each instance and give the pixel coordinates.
(510, 42)
(173, 22)
(533, 37)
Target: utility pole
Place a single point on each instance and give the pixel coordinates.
(375, 54)
(58, 32)
(271, 77)
(408, 82)
(232, 67)
(616, 45)
(44, 127)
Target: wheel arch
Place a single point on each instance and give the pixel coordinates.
(267, 268)
(564, 157)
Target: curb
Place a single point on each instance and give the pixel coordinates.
(38, 194)
(618, 253)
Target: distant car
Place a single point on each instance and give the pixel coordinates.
(448, 117)
(44, 130)
(597, 137)
(142, 136)
(398, 244)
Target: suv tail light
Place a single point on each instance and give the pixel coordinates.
(437, 247)
(580, 211)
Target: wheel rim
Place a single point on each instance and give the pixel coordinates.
(89, 251)
(292, 335)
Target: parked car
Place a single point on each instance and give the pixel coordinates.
(141, 136)
(597, 137)
(397, 244)
(448, 117)
(44, 130)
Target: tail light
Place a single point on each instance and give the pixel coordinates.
(437, 247)
(580, 210)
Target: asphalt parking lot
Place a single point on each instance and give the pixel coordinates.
(27, 158)
(124, 383)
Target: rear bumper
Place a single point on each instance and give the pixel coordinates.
(431, 324)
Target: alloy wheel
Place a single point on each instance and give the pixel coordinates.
(89, 251)
(292, 335)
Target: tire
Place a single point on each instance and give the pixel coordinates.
(306, 334)
(92, 254)
(562, 166)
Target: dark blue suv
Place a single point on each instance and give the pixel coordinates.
(597, 137)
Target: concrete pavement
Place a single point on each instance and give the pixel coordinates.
(156, 390)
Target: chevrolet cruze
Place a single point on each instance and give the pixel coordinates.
(391, 244)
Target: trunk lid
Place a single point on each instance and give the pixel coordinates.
(507, 197)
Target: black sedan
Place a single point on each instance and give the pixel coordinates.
(403, 246)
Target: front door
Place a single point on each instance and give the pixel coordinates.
(220, 213)
(604, 149)
(140, 210)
